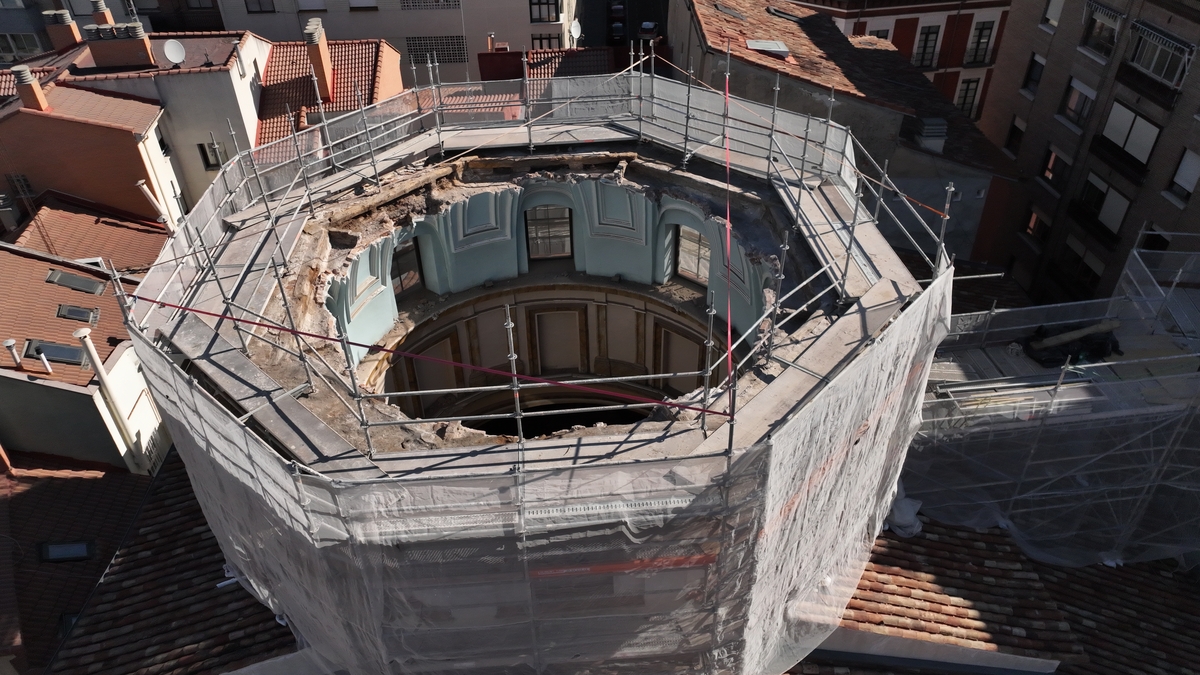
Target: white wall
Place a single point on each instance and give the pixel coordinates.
(132, 398)
(162, 173)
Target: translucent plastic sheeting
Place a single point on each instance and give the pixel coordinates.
(832, 477)
(702, 564)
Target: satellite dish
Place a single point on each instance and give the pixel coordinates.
(174, 51)
(576, 29)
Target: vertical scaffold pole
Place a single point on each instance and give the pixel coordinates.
(362, 111)
(942, 257)
(287, 308)
(779, 276)
(850, 241)
(641, 85)
(526, 94)
(437, 104)
(879, 194)
(804, 155)
(362, 412)
(312, 74)
(303, 166)
(516, 387)
(708, 345)
(687, 115)
(652, 78)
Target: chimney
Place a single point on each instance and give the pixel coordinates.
(491, 41)
(318, 55)
(100, 13)
(119, 45)
(61, 28)
(30, 89)
(931, 134)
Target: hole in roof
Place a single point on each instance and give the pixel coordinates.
(731, 11)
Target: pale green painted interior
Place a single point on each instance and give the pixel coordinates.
(615, 229)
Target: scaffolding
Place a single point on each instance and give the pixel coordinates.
(1087, 463)
(725, 560)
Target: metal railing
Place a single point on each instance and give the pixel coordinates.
(243, 219)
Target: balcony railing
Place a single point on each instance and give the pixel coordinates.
(979, 56)
(1159, 92)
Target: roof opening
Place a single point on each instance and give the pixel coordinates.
(67, 551)
(79, 313)
(53, 351)
(75, 282)
(773, 47)
(731, 11)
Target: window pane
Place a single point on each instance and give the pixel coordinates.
(1141, 140)
(1188, 172)
(694, 255)
(548, 229)
(1119, 122)
(1053, 10)
(406, 270)
(1113, 211)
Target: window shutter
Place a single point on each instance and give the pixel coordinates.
(1119, 122)
(1141, 139)
(1113, 211)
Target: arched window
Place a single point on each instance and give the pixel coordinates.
(693, 257)
(548, 230)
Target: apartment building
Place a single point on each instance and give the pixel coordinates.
(954, 42)
(1097, 104)
(23, 34)
(452, 31)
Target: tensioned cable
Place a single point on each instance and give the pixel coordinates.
(422, 357)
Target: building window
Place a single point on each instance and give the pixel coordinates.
(1033, 74)
(364, 4)
(1100, 34)
(406, 268)
(926, 51)
(1036, 227)
(1053, 11)
(543, 11)
(1186, 175)
(1161, 57)
(310, 5)
(1080, 265)
(260, 6)
(1016, 131)
(200, 4)
(1077, 103)
(429, 4)
(14, 46)
(162, 142)
(1056, 169)
(967, 94)
(53, 351)
(1098, 200)
(548, 229)
(11, 4)
(546, 41)
(445, 48)
(66, 551)
(981, 43)
(694, 255)
(75, 282)
(212, 154)
(882, 33)
(1131, 132)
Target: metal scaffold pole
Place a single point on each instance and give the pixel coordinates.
(708, 345)
(312, 74)
(362, 111)
(362, 411)
(779, 276)
(437, 104)
(943, 259)
(641, 81)
(525, 95)
(516, 386)
(850, 241)
(687, 115)
(303, 166)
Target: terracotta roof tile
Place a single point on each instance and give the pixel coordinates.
(69, 228)
(159, 610)
(570, 62)
(287, 83)
(862, 66)
(54, 499)
(36, 316)
(960, 587)
(102, 107)
(8, 86)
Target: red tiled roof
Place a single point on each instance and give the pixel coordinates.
(54, 499)
(34, 316)
(287, 83)
(158, 609)
(1141, 619)
(8, 85)
(105, 108)
(68, 228)
(570, 62)
(962, 587)
(864, 67)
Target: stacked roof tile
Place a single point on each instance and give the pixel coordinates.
(72, 228)
(160, 608)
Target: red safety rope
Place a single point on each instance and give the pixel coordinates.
(431, 359)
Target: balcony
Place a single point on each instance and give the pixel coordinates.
(1116, 157)
(1157, 91)
(1089, 219)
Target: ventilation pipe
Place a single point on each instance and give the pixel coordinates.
(163, 216)
(61, 28)
(29, 89)
(45, 362)
(11, 345)
(491, 42)
(106, 391)
(318, 54)
(932, 133)
(101, 14)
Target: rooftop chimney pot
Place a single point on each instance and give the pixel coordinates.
(318, 56)
(135, 30)
(107, 31)
(91, 31)
(29, 89)
(100, 13)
